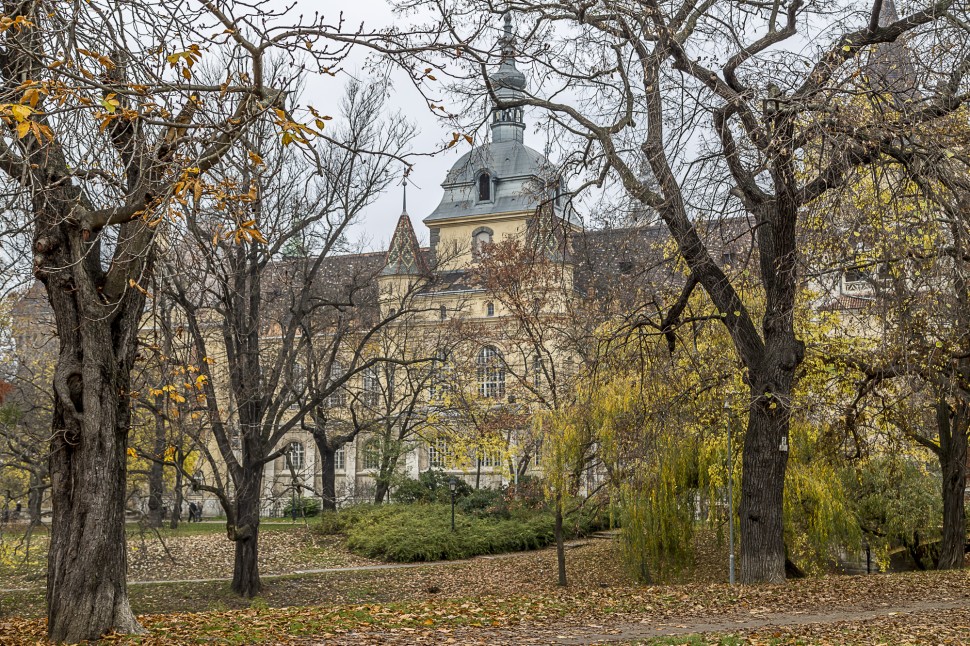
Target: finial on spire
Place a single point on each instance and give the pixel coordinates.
(508, 39)
(404, 208)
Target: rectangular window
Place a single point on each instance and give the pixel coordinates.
(489, 459)
(439, 454)
(372, 387)
(338, 459)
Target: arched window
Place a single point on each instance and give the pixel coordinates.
(372, 454)
(481, 239)
(443, 312)
(491, 373)
(295, 456)
(484, 187)
(490, 309)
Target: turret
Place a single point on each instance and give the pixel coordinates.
(508, 83)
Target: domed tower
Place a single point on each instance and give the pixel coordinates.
(502, 188)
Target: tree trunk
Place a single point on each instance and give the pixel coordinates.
(381, 488)
(762, 488)
(87, 593)
(178, 500)
(329, 467)
(560, 543)
(35, 500)
(245, 533)
(156, 474)
(952, 427)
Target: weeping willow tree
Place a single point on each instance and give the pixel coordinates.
(657, 423)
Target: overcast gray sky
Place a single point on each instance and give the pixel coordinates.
(424, 193)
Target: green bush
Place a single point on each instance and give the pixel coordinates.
(305, 508)
(491, 503)
(430, 486)
(409, 533)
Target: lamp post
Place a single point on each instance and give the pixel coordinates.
(730, 493)
(453, 487)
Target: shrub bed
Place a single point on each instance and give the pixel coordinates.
(409, 533)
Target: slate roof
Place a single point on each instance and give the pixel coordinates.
(519, 173)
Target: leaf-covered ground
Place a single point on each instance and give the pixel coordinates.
(193, 551)
(513, 600)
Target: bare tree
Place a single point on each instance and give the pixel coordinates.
(106, 125)
(244, 305)
(730, 117)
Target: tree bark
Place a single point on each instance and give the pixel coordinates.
(245, 533)
(156, 481)
(381, 488)
(762, 487)
(560, 543)
(952, 428)
(35, 499)
(178, 499)
(329, 469)
(87, 592)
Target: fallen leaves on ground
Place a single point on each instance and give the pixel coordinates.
(514, 600)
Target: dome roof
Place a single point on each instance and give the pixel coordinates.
(518, 174)
(503, 160)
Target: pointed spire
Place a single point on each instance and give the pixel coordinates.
(509, 83)
(890, 67)
(888, 14)
(508, 39)
(404, 254)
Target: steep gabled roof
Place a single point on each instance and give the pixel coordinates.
(404, 256)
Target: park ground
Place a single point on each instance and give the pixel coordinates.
(318, 593)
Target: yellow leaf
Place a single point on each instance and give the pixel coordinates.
(20, 112)
(186, 73)
(22, 129)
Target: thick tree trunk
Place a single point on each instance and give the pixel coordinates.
(328, 458)
(245, 533)
(560, 543)
(87, 593)
(952, 427)
(763, 486)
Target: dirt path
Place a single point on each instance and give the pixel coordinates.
(639, 631)
(888, 620)
(352, 568)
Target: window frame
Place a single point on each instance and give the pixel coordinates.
(296, 448)
(491, 372)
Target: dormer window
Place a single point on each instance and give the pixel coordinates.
(484, 187)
